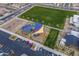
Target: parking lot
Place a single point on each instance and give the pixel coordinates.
(18, 47)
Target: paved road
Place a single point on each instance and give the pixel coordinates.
(55, 7)
(15, 13)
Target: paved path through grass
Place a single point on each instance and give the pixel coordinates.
(54, 28)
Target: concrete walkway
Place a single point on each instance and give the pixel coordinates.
(54, 28)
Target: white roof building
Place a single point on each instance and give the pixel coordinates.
(74, 33)
(75, 20)
(62, 42)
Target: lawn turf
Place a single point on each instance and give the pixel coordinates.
(47, 16)
(52, 38)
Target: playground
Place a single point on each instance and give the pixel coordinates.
(34, 31)
(31, 30)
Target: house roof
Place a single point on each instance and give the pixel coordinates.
(74, 33)
(75, 20)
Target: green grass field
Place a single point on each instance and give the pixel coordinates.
(47, 16)
(52, 38)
